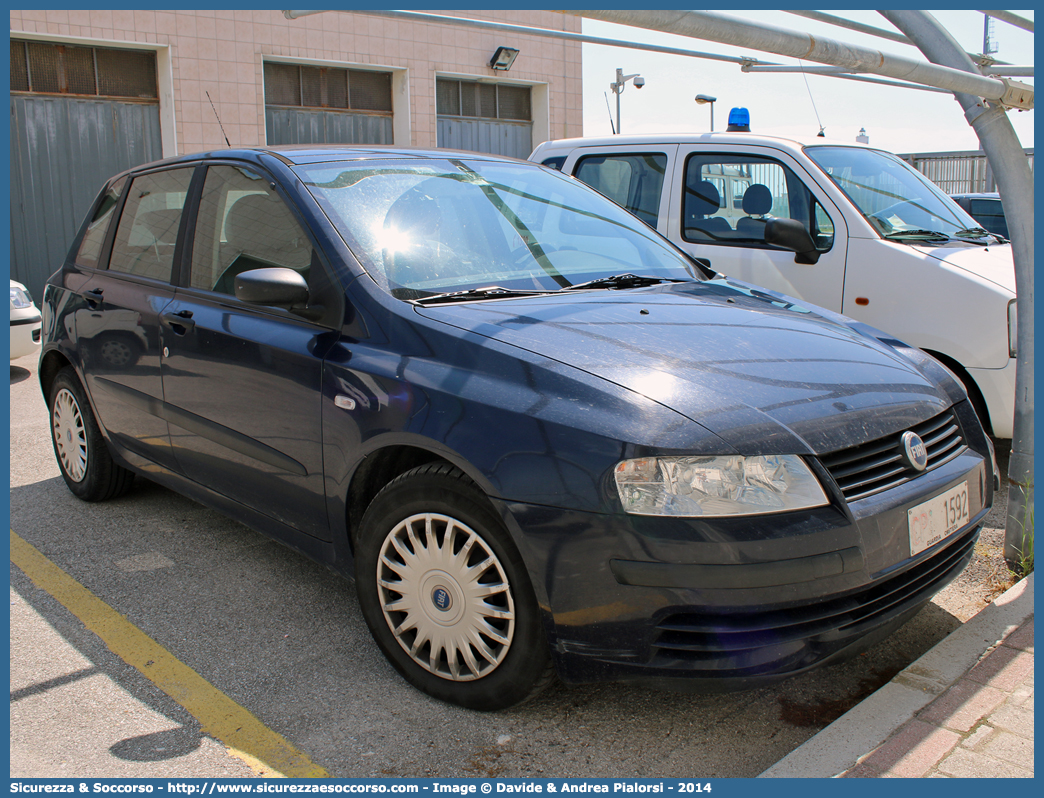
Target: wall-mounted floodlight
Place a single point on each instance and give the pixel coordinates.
(503, 58)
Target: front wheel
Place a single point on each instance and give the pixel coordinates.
(84, 459)
(446, 595)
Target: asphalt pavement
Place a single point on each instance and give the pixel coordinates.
(132, 619)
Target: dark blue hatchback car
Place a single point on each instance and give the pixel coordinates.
(541, 438)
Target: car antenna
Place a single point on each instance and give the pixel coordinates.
(219, 121)
(610, 110)
(815, 110)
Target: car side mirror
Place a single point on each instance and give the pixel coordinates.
(278, 287)
(791, 234)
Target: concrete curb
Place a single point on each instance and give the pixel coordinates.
(864, 727)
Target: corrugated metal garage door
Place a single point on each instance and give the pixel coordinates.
(484, 117)
(68, 138)
(327, 105)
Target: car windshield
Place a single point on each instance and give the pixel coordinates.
(424, 228)
(895, 198)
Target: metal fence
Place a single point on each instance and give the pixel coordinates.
(958, 172)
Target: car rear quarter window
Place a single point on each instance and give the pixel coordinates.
(90, 249)
(243, 224)
(148, 228)
(634, 181)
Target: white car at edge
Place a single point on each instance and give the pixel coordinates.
(25, 322)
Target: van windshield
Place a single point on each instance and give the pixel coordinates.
(895, 198)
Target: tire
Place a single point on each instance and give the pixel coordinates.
(446, 594)
(79, 448)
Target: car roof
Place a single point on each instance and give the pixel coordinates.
(298, 154)
(977, 195)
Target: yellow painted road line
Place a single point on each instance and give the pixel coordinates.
(246, 737)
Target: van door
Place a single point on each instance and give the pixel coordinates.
(721, 202)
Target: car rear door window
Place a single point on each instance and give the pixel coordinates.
(148, 229)
(634, 181)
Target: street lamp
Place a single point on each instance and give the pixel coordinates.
(703, 99)
(618, 87)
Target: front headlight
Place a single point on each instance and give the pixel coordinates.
(1013, 328)
(717, 486)
(20, 299)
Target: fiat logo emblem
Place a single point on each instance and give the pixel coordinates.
(914, 452)
(440, 597)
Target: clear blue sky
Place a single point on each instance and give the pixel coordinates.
(900, 120)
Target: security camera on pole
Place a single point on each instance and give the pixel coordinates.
(618, 87)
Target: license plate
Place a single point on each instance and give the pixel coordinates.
(935, 519)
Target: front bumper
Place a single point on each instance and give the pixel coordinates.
(736, 603)
(25, 335)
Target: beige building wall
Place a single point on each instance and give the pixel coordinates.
(221, 52)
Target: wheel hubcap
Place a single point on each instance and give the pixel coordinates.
(70, 437)
(445, 597)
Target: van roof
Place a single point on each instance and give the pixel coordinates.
(782, 142)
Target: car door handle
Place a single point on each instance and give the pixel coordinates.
(181, 322)
(93, 298)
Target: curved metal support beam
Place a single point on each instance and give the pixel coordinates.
(1015, 181)
(738, 32)
(442, 19)
(1011, 19)
(841, 22)
(838, 72)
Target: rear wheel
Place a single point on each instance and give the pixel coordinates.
(84, 459)
(446, 595)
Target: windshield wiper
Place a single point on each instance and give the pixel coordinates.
(625, 281)
(489, 292)
(928, 235)
(978, 232)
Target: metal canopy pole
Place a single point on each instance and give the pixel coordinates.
(1015, 182)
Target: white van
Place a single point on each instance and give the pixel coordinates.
(872, 238)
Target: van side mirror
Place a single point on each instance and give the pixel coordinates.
(791, 234)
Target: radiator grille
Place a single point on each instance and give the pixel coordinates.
(879, 465)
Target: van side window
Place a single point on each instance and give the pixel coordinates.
(148, 227)
(729, 199)
(634, 181)
(554, 163)
(94, 239)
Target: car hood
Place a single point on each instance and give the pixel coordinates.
(994, 262)
(764, 374)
